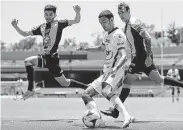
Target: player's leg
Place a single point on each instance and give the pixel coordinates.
(115, 100)
(87, 98)
(155, 76)
(52, 63)
(130, 77)
(93, 89)
(173, 92)
(16, 94)
(178, 93)
(29, 63)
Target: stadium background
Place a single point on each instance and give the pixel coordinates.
(82, 66)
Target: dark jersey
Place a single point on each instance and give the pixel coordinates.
(51, 34)
(133, 30)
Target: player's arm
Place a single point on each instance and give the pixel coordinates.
(95, 48)
(77, 18)
(120, 41)
(141, 29)
(20, 31)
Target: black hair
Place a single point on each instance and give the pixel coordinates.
(50, 8)
(106, 13)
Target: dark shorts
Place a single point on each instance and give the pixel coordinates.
(138, 65)
(51, 62)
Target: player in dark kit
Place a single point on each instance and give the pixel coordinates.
(51, 31)
(139, 41)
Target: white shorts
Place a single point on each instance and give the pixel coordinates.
(107, 78)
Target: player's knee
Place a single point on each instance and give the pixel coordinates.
(106, 91)
(62, 80)
(110, 96)
(159, 79)
(129, 78)
(27, 62)
(86, 97)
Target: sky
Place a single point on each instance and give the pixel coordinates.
(30, 13)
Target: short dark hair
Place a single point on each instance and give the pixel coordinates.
(50, 8)
(123, 4)
(173, 64)
(106, 13)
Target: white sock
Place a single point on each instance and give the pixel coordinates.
(91, 105)
(119, 106)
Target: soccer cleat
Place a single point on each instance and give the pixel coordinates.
(28, 94)
(127, 123)
(111, 112)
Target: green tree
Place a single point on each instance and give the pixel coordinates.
(173, 33)
(25, 43)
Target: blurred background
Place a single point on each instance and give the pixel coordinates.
(163, 23)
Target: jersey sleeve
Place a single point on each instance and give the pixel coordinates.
(36, 30)
(120, 41)
(64, 23)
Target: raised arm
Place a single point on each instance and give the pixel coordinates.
(77, 18)
(20, 31)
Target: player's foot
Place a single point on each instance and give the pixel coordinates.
(28, 94)
(127, 122)
(111, 112)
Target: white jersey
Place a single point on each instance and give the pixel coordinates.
(113, 41)
(174, 74)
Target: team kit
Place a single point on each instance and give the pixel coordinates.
(115, 43)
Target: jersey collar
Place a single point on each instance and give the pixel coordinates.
(112, 30)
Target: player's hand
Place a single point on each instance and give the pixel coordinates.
(148, 61)
(14, 22)
(77, 8)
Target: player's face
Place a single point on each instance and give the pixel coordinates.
(123, 14)
(49, 16)
(105, 23)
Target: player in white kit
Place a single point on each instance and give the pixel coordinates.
(114, 41)
(174, 73)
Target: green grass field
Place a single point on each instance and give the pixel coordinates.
(66, 113)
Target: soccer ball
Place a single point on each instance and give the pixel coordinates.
(91, 117)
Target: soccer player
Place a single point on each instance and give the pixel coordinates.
(114, 43)
(139, 41)
(174, 73)
(51, 31)
(19, 87)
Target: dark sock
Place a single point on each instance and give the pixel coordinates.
(124, 94)
(30, 75)
(75, 83)
(172, 82)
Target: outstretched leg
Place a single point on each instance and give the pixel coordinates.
(29, 63)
